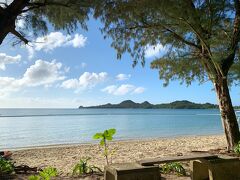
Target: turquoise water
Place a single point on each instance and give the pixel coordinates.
(36, 127)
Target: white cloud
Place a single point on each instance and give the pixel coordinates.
(86, 81)
(110, 89)
(41, 102)
(54, 40)
(7, 2)
(8, 85)
(41, 73)
(122, 77)
(6, 81)
(153, 51)
(66, 69)
(20, 23)
(70, 84)
(139, 90)
(123, 89)
(78, 41)
(5, 59)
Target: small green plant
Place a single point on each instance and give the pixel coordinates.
(45, 174)
(173, 167)
(107, 135)
(6, 167)
(237, 148)
(82, 167)
(34, 177)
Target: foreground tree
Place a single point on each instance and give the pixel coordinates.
(39, 15)
(201, 39)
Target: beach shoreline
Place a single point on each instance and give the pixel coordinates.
(64, 157)
(95, 142)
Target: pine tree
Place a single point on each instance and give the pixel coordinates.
(201, 39)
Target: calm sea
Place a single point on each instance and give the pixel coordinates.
(36, 127)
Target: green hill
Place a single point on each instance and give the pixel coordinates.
(186, 105)
(146, 105)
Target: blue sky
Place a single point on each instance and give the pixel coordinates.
(65, 71)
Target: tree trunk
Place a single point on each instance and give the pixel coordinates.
(228, 116)
(8, 18)
(4, 26)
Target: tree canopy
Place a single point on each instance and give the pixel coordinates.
(41, 15)
(200, 37)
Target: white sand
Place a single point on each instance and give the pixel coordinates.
(65, 157)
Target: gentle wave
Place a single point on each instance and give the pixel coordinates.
(102, 114)
(36, 127)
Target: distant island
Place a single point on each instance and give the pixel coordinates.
(146, 105)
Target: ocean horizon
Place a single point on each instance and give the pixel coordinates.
(39, 127)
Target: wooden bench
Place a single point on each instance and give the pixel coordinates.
(150, 162)
(204, 166)
(223, 168)
(131, 171)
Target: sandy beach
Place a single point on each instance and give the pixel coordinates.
(64, 157)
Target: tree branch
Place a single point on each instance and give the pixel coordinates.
(17, 5)
(236, 28)
(20, 36)
(45, 3)
(203, 35)
(180, 38)
(228, 62)
(210, 14)
(67, 4)
(177, 36)
(196, 28)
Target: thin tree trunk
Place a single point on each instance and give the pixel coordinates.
(228, 116)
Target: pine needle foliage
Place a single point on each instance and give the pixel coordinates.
(198, 35)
